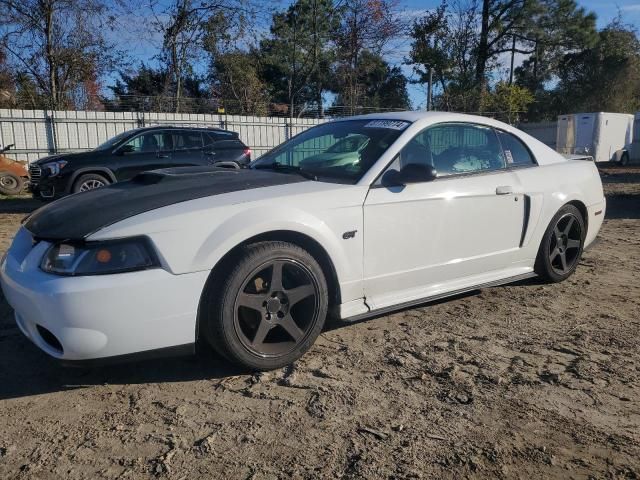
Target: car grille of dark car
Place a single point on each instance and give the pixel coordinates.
(35, 172)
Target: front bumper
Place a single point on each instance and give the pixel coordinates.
(98, 317)
(47, 189)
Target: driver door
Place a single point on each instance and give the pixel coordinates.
(430, 237)
(147, 151)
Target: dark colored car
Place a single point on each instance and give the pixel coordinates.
(132, 152)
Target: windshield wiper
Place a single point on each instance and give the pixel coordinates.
(287, 168)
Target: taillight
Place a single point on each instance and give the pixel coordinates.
(247, 152)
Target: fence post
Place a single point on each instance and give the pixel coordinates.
(51, 131)
(222, 118)
(288, 129)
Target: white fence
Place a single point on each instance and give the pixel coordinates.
(37, 133)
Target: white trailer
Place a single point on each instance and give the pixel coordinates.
(631, 152)
(602, 135)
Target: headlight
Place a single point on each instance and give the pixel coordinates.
(100, 258)
(54, 167)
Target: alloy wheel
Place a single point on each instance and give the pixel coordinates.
(276, 307)
(90, 185)
(565, 244)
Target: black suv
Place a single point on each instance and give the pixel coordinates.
(132, 152)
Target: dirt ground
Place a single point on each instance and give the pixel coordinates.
(521, 381)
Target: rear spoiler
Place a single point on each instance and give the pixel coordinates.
(588, 158)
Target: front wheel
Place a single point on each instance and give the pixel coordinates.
(270, 309)
(562, 245)
(10, 183)
(90, 181)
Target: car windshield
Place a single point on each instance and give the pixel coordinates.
(341, 151)
(113, 141)
(352, 143)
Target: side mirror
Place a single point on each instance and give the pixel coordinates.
(125, 149)
(410, 173)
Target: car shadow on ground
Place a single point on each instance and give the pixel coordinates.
(623, 206)
(25, 370)
(28, 371)
(22, 204)
(623, 198)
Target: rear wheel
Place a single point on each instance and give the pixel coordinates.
(270, 309)
(562, 245)
(10, 183)
(624, 159)
(90, 181)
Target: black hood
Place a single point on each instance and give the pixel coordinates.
(75, 156)
(77, 216)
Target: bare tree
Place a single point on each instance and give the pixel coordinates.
(58, 44)
(184, 25)
(444, 43)
(366, 25)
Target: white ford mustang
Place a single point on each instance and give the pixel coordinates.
(253, 260)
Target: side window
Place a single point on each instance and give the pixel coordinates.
(187, 140)
(150, 142)
(464, 148)
(453, 148)
(417, 150)
(209, 140)
(515, 153)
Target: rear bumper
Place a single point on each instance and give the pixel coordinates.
(596, 213)
(97, 317)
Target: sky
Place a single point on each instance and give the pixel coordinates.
(142, 47)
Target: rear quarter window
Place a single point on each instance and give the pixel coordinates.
(187, 140)
(230, 144)
(515, 152)
(221, 137)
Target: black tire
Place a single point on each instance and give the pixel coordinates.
(562, 245)
(246, 317)
(10, 183)
(89, 181)
(624, 159)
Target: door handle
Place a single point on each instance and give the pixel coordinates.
(210, 154)
(163, 155)
(504, 190)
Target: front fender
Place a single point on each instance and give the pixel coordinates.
(345, 254)
(194, 236)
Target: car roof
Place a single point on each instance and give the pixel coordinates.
(182, 127)
(431, 117)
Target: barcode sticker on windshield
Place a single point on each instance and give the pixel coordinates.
(392, 124)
